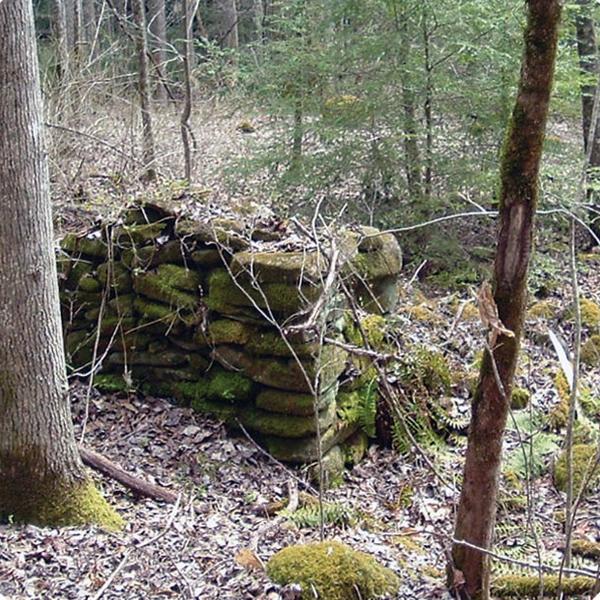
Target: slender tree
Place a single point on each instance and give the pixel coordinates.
(229, 23)
(139, 18)
(157, 20)
(587, 50)
(59, 23)
(518, 199)
(42, 478)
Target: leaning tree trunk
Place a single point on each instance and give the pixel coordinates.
(139, 19)
(157, 20)
(41, 475)
(518, 199)
(587, 49)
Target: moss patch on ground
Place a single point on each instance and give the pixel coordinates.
(333, 571)
(584, 466)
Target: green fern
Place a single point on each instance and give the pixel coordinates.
(309, 516)
(533, 455)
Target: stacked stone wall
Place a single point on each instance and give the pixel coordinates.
(221, 316)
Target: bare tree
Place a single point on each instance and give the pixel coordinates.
(157, 20)
(469, 571)
(42, 478)
(229, 23)
(148, 154)
(59, 22)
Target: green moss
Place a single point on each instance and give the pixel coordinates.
(132, 235)
(355, 447)
(586, 549)
(227, 331)
(559, 414)
(153, 255)
(544, 309)
(230, 386)
(590, 314)
(333, 571)
(120, 276)
(91, 245)
(528, 586)
(584, 465)
(372, 326)
(590, 351)
(57, 504)
(331, 473)
(167, 285)
(519, 398)
(290, 403)
(110, 383)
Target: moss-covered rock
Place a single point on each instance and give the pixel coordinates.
(110, 383)
(285, 426)
(157, 311)
(519, 398)
(287, 299)
(306, 449)
(331, 469)
(163, 359)
(230, 386)
(285, 374)
(290, 403)
(151, 256)
(590, 314)
(134, 235)
(584, 465)
(543, 309)
(92, 244)
(557, 419)
(207, 258)
(333, 571)
(528, 586)
(590, 351)
(355, 448)
(279, 267)
(228, 233)
(171, 285)
(118, 274)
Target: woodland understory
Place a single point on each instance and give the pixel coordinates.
(392, 504)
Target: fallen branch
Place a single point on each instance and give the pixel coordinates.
(110, 469)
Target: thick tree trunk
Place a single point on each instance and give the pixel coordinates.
(587, 49)
(157, 20)
(41, 475)
(518, 198)
(139, 18)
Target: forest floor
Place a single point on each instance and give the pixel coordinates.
(391, 505)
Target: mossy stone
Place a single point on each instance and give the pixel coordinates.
(355, 448)
(371, 327)
(162, 312)
(285, 426)
(332, 571)
(519, 398)
(279, 267)
(225, 232)
(121, 305)
(133, 235)
(171, 285)
(230, 386)
(290, 403)
(285, 374)
(332, 468)
(110, 383)
(528, 586)
(164, 359)
(120, 276)
(110, 324)
(584, 464)
(306, 450)
(91, 244)
(151, 256)
(283, 298)
(207, 257)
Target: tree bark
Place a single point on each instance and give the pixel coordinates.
(518, 199)
(587, 50)
(157, 19)
(41, 475)
(229, 24)
(139, 18)
(59, 16)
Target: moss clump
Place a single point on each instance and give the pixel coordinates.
(119, 275)
(519, 398)
(558, 416)
(290, 403)
(423, 313)
(586, 549)
(169, 284)
(590, 351)
(584, 466)
(333, 571)
(110, 383)
(355, 447)
(528, 586)
(371, 327)
(230, 386)
(131, 235)
(590, 314)
(90, 245)
(76, 504)
(544, 309)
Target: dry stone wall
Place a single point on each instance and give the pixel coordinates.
(213, 313)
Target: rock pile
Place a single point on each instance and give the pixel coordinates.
(228, 319)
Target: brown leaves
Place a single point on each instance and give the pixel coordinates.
(488, 312)
(249, 560)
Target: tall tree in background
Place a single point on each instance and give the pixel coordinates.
(157, 22)
(42, 478)
(59, 26)
(518, 200)
(587, 50)
(228, 15)
(139, 18)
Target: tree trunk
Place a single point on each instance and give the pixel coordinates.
(518, 198)
(88, 16)
(139, 19)
(59, 18)
(587, 49)
(41, 475)
(229, 24)
(157, 19)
